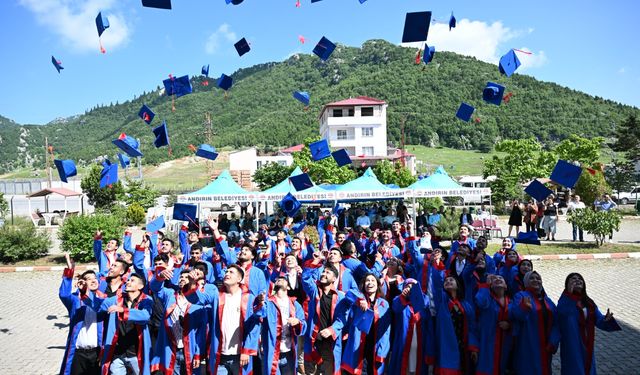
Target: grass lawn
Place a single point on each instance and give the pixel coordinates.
(455, 162)
(551, 248)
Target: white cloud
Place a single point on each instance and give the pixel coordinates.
(223, 34)
(622, 70)
(74, 22)
(486, 42)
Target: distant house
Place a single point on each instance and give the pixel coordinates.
(249, 160)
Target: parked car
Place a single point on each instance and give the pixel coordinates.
(624, 197)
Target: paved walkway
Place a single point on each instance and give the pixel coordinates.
(34, 323)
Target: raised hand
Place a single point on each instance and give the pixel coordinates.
(608, 316)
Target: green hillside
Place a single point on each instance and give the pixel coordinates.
(260, 110)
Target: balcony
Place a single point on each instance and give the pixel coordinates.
(348, 121)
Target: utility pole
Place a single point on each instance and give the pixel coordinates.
(139, 161)
(402, 121)
(47, 161)
(208, 136)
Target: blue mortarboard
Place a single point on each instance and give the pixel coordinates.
(362, 1)
(177, 86)
(319, 149)
(128, 144)
(417, 298)
(341, 157)
(566, 174)
(206, 151)
(302, 96)
(234, 2)
(298, 226)
(452, 22)
(530, 238)
(156, 225)
(57, 63)
(465, 111)
(365, 320)
(416, 27)
(185, 212)
(242, 46)
(66, 168)
(493, 93)
(109, 174)
(429, 52)
(324, 48)
(537, 190)
(225, 82)
(205, 70)
(509, 63)
(160, 4)
(337, 209)
(162, 135)
(102, 23)
(301, 182)
(124, 160)
(290, 205)
(146, 114)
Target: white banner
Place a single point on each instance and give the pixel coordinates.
(462, 192)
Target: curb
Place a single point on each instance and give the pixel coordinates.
(593, 256)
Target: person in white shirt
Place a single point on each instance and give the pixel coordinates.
(574, 205)
(363, 220)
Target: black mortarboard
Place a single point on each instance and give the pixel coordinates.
(242, 46)
(162, 135)
(301, 182)
(225, 82)
(146, 114)
(341, 157)
(102, 23)
(324, 48)
(160, 4)
(205, 70)
(57, 63)
(416, 27)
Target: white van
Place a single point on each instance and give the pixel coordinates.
(476, 182)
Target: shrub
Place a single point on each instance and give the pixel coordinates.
(77, 233)
(448, 228)
(599, 223)
(135, 214)
(21, 241)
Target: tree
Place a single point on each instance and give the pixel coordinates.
(4, 206)
(101, 198)
(137, 191)
(627, 139)
(620, 175)
(599, 223)
(325, 171)
(592, 186)
(586, 151)
(271, 174)
(393, 173)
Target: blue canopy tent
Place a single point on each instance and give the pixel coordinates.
(367, 188)
(438, 180)
(285, 186)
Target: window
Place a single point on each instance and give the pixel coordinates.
(342, 134)
(367, 151)
(351, 112)
(337, 112)
(366, 111)
(367, 132)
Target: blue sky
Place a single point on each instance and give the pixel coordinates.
(585, 45)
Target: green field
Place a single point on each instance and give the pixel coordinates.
(455, 162)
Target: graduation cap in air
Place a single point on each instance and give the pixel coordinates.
(365, 320)
(160, 4)
(66, 168)
(205, 70)
(509, 63)
(566, 174)
(185, 212)
(530, 238)
(537, 190)
(234, 2)
(225, 82)
(324, 48)
(416, 27)
(341, 157)
(242, 46)
(155, 225)
(124, 160)
(301, 182)
(319, 149)
(162, 135)
(109, 174)
(297, 227)
(465, 111)
(179, 86)
(290, 205)
(57, 63)
(337, 209)
(102, 23)
(128, 144)
(146, 114)
(452, 22)
(302, 97)
(417, 298)
(206, 151)
(429, 52)
(493, 93)
(362, 1)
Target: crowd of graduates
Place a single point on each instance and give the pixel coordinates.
(383, 301)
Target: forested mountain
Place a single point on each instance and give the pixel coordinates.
(259, 110)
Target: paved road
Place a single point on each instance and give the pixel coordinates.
(33, 322)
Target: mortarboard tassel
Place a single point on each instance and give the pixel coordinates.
(226, 94)
(477, 120)
(418, 56)
(169, 151)
(297, 3)
(301, 39)
(507, 97)
(525, 52)
(101, 47)
(192, 148)
(591, 171)
(205, 83)
(306, 108)
(173, 103)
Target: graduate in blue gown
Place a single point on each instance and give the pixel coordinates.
(578, 316)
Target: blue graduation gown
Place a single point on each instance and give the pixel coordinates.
(76, 306)
(406, 322)
(577, 334)
(495, 343)
(532, 333)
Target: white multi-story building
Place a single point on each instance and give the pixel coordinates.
(358, 125)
